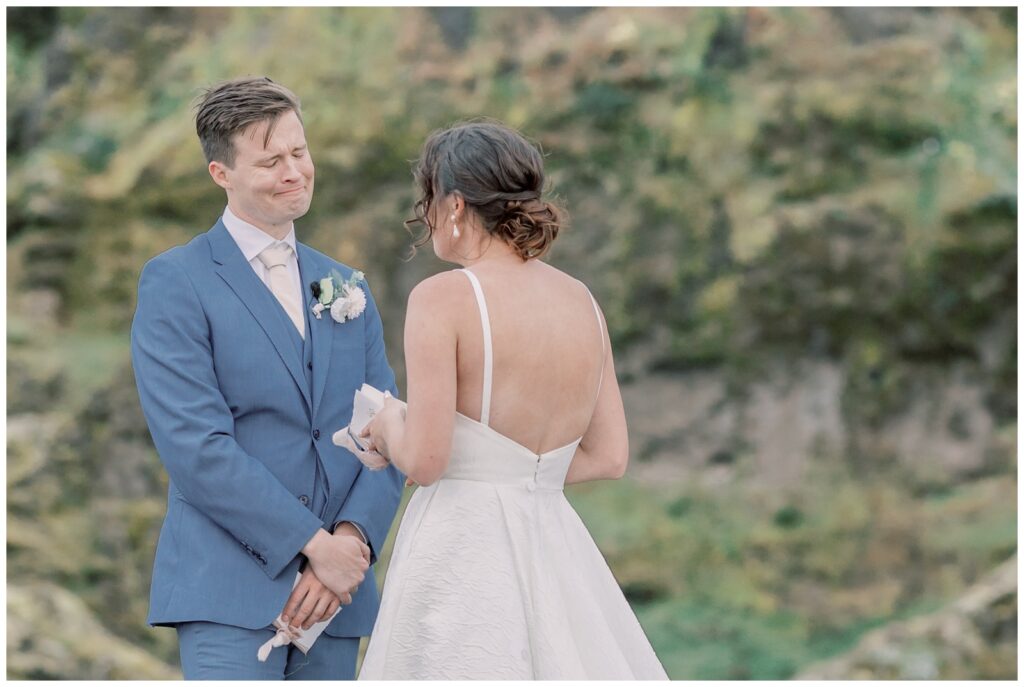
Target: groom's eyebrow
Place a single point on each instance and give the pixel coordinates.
(271, 158)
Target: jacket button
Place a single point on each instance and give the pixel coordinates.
(316, 434)
(304, 500)
(309, 365)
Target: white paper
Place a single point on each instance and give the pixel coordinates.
(302, 639)
(366, 403)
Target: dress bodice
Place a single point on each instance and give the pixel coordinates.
(481, 454)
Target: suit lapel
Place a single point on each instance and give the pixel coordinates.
(239, 275)
(321, 330)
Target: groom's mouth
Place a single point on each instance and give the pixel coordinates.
(292, 191)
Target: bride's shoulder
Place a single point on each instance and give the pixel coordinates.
(443, 292)
(565, 281)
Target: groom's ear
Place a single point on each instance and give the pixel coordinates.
(219, 173)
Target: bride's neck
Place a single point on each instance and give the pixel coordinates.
(492, 251)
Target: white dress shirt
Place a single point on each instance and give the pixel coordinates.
(252, 241)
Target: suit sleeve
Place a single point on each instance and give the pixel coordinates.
(373, 500)
(193, 429)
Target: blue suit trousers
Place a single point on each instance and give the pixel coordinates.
(211, 651)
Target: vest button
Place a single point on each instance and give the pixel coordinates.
(316, 434)
(304, 499)
(309, 365)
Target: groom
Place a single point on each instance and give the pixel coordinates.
(242, 384)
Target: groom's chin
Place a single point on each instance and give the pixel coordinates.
(299, 209)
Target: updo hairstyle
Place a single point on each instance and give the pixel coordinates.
(501, 177)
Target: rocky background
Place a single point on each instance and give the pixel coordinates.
(801, 224)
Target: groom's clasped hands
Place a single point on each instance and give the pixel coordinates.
(337, 566)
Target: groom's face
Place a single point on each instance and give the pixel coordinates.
(269, 186)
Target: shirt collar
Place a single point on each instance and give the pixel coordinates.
(251, 239)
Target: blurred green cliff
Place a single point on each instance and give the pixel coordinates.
(800, 223)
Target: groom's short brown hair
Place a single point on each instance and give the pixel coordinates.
(231, 106)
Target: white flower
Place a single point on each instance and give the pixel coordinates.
(317, 309)
(349, 305)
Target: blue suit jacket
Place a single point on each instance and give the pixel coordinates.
(241, 434)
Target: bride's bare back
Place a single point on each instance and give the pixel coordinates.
(548, 352)
(553, 377)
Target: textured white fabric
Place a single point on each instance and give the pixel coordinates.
(494, 576)
(275, 258)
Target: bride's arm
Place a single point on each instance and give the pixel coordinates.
(420, 443)
(604, 451)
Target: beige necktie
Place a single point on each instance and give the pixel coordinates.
(275, 258)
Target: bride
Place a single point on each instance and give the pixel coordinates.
(511, 395)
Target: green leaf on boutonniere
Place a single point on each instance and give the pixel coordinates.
(326, 291)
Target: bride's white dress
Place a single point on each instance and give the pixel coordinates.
(494, 575)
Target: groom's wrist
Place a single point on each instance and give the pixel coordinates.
(348, 527)
(314, 544)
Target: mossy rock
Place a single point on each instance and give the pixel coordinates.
(52, 635)
(972, 639)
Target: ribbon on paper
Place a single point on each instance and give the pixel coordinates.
(283, 637)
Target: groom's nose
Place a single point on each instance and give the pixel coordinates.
(290, 170)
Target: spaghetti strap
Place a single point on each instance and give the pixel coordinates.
(485, 321)
(600, 327)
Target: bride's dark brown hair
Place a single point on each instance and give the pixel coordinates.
(499, 174)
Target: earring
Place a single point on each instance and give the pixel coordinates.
(455, 231)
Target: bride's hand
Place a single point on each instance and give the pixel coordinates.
(387, 419)
(369, 458)
(393, 411)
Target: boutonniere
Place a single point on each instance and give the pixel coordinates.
(343, 297)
